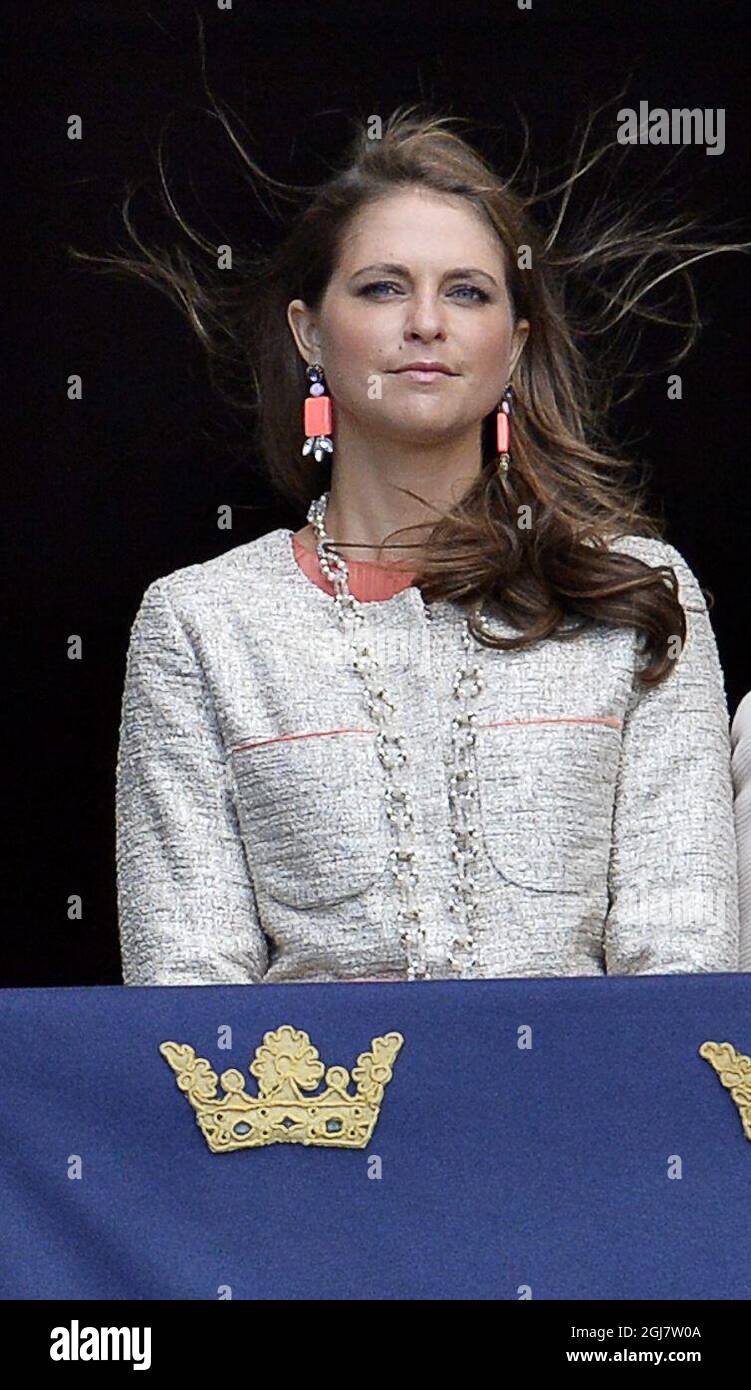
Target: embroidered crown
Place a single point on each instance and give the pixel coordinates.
(734, 1071)
(285, 1065)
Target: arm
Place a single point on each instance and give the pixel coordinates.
(740, 738)
(186, 905)
(673, 880)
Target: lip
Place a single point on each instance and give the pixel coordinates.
(424, 370)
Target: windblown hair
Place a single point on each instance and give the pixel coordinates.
(585, 298)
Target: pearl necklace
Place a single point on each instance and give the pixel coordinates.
(390, 744)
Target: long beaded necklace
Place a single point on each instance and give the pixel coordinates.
(390, 743)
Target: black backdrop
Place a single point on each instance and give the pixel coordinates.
(107, 493)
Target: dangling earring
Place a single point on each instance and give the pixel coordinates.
(317, 416)
(503, 431)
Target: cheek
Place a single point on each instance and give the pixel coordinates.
(490, 361)
(349, 339)
(492, 346)
(353, 351)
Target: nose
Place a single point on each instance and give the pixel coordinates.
(424, 319)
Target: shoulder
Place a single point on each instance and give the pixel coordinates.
(741, 731)
(245, 572)
(655, 552)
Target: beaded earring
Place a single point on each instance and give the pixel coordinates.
(503, 431)
(317, 416)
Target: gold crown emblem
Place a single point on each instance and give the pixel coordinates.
(285, 1065)
(734, 1071)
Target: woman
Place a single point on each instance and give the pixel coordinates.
(497, 748)
(740, 743)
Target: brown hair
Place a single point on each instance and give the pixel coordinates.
(566, 474)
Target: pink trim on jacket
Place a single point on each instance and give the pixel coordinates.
(283, 738)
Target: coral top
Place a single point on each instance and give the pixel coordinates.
(367, 581)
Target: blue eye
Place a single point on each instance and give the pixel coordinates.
(475, 289)
(475, 292)
(378, 285)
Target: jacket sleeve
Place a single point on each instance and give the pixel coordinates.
(740, 739)
(673, 878)
(186, 904)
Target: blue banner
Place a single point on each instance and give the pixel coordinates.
(543, 1139)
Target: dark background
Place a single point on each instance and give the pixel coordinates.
(108, 493)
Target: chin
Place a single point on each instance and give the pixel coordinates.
(425, 429)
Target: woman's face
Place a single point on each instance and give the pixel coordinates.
(420, 278)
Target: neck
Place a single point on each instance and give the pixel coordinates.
(365, 503)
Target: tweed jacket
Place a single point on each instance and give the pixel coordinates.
(740, 743)
(253, 843)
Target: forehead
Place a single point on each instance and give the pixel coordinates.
(421, 227)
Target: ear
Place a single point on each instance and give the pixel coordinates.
(518, 339)
(304, 329)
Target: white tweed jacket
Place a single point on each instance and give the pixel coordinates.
(740, 742)
(253, 842)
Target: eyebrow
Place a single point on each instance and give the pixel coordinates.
(392, 269)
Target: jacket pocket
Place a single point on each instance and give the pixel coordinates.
(546, 792)
(312, 814)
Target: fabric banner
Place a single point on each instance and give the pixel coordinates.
(545, 1139)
